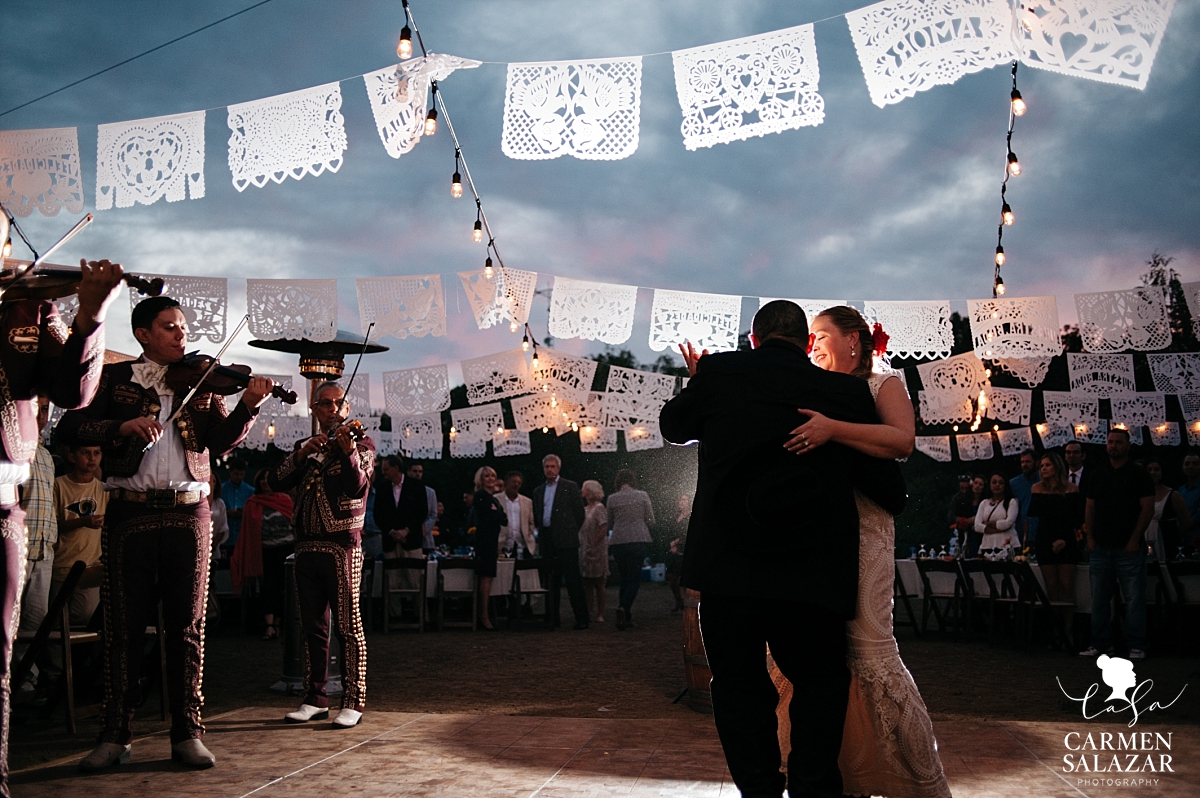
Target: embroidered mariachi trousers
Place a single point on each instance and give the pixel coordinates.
(152, 555)
(12, 571)
(328, 577)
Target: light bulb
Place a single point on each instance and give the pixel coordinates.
(1018, 104)
(1000, 256)
(525, 346)
(453, 431)
(456, 185)
(574, 427)
(512, 326)
(477, 233)
(995, 428)
(955, 428)
(499, 430)
(431, 122)
(1006, 215)
(1000, 289)
(271, 431)
(1041, 428)
(7, 247)
(535, 359)
(404, 48)
(545, 430)
(1014, 166)
(554, 401)
(487, 267)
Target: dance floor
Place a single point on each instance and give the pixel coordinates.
(401, 754)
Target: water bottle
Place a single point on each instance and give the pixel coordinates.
(912, 552)
(922, 554)
(954, 547)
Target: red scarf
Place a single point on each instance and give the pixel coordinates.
(246, 562)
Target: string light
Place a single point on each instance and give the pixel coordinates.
(998, 287)
(431, 117)
(525, 344)
(1000, 256)
(1006, 215)
(404, 48)
(487, 267)
(477, 233)
(1012, 168)
(456, 179)
(1018, 103)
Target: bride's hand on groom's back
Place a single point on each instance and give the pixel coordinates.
(814, 432)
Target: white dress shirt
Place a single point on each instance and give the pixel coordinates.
(164, 466)
(513, 507)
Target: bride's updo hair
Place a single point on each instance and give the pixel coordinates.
(850, 322)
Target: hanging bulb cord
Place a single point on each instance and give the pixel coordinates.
(468, 181)
(1012, 121)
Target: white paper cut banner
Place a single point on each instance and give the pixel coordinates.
(919, 330)
(413, 392)
(1065, 407)
(1139, 410)
(289, 135)
(496, 376)
(592, 311)
(203, 301)
(402, 306)
(747, 87)
(562, 376)
(907, 46)
(510, 442)
(1097, 432)
(1113, 321)
(399, 97)
(506, 296)
(538, 411)
(597, 439)
(954, 379)
(40, 169)
(634, 398)
(1165, 434)
(1054, 434)
(1021, 327)
(586, 414)
(709, 321)
(1178, 372)
(272, 406)
(1014, 441)
(1007, 404)
(292, 309)
(940, 410)
(1101, 375)
(472, 428)
(935, 446)
(975, 446)
(1113, 41)
(1191, 292)
(1029, 370)
(587, 109)
(643, 437)
(418, 436)
(359, 394)
(148, 159)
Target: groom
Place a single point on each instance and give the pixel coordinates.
(773, 546)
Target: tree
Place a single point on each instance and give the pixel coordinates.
(1160, 273)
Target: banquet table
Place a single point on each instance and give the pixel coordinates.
(456, 579)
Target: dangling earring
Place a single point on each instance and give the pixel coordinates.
(853, 353)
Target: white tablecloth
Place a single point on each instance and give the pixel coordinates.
(456, 579)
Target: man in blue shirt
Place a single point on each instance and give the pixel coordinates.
(1022, 487)
(1190, 489)
(234, 493)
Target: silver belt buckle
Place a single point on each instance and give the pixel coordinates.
(159, 499)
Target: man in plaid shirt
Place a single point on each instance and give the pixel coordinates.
(37, 500)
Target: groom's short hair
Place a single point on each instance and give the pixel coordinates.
(780, 318)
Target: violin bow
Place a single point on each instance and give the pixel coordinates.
(179, 407)
(353, 374)
(38, 260)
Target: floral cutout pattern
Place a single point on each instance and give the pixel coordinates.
(1014, 441)
(1178, 372)
(510, 442)
(473, 427)
(40, 169)
(496, 376)
(597, 439)
(643, 437)
(399, 97)
(592, 311)
(292, 309)
(916, 329)
(203, 301)
(1007, 404)
(587, 109)
(708, 321)
(506, 296)
(1022, 327)
(975, 446)
(413, 392)
(563, 376)
(289, 135)
(402, 306)
(148, 159)
(418, 436)
(1112, 321)
(748, 87)
(634, 398)
(1101, 375)
(935, 446)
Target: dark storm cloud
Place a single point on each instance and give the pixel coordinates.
(894, 203)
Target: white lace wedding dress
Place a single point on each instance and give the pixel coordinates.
(888, 748)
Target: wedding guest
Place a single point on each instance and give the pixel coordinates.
(517, 537)
(489, 518)
(558, 513)
(1120, 504)
(996, 519)
(79, 505)
(400, 512)
(1190, 491)
(41, 529)
(417, 471)
(372, 536)
(220, 517)
(631, 517)
(971, 539)
(1057, 506)
(235, 492)
(678, 536)
(1074, 456)
(593, 548)
(266, 532)
(1171, 521)
(1022, 485)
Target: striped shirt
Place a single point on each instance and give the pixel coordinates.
(37, 500)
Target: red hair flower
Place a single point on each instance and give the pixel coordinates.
(879, 340)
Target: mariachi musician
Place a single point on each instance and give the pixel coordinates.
(157, 532)
(39, 355)
(333, 471)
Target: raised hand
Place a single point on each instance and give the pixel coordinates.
(98, 287)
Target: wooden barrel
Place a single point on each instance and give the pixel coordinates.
(695, 661)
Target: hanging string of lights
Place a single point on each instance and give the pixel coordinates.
(461, 170)
(1012, 168)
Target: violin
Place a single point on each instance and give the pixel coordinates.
(184, 375)
(53, 281)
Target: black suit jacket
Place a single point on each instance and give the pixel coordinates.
(566, 516)
(410, 514)
(767, 523)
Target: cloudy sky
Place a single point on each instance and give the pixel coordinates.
(894, 203)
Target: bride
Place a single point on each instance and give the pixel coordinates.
(888, 747)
